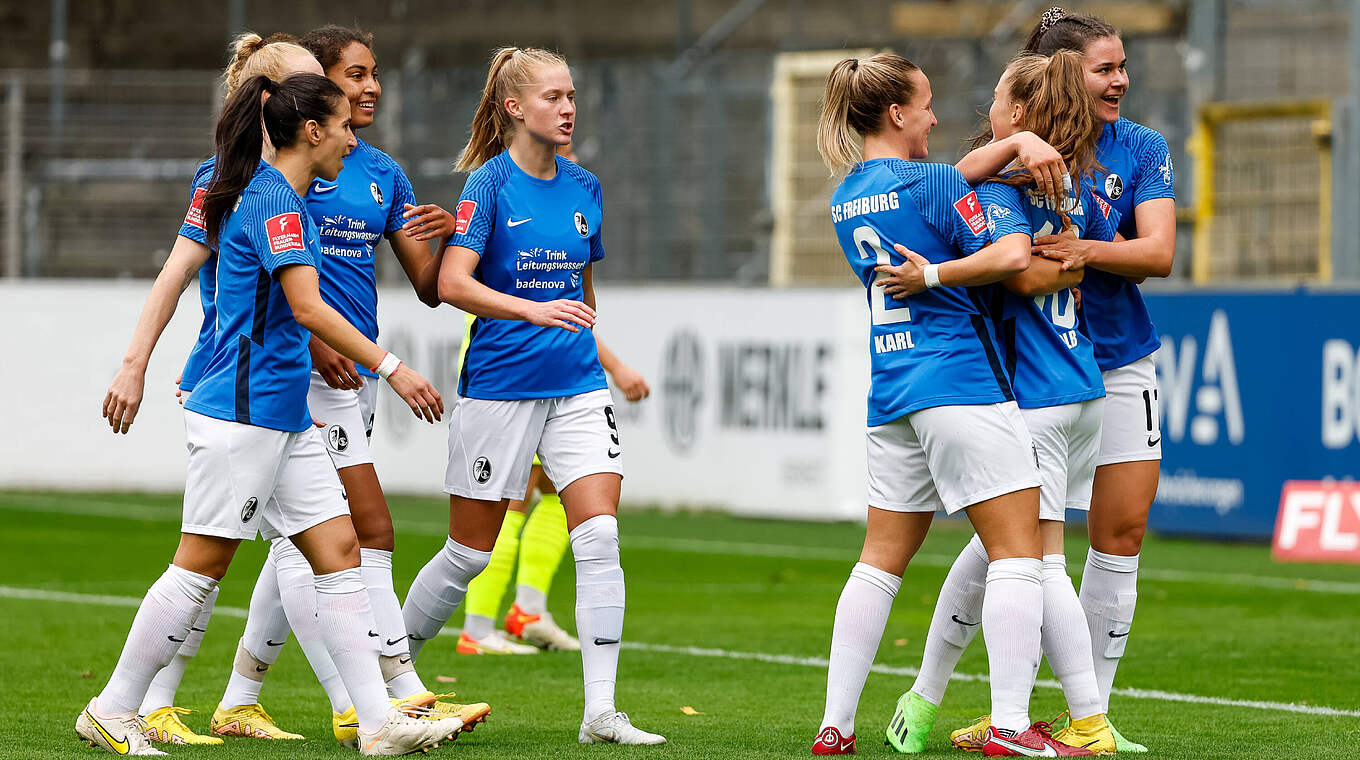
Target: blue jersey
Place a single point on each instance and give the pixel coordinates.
(1138, 168)
(352, 214)
(194, 229)
(1049, 361)
(535, 238)
(260, 367)
(933, 348)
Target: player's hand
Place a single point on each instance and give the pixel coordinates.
(416, 391)
(905, 279)
(1071, 251)
(1044, 163)
(179, 392)
(338, 371)
(633, 385)
(564, 313)
(124, 398)
(427, 222)
(1076, 298)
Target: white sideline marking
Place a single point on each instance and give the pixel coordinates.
(43, 502)
(45, 595)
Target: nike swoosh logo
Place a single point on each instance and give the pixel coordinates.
(513, 223)
(417, 637)
(200, 630)
(1020, 749)
(275, 643)
(403, 661)
(599, 642)
(1114, 635)
(119, 747)
(613, 454)
(259, 669)
(1152, 442)
(955, 618)
(372, 635)
(394, 642)
(320, 188)
(177, 641)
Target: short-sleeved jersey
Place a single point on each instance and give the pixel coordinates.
(193, 228)
(1049, 361)
(934, 348)
(260, 367)
(352, 214)
(535, 238)
(1138, 168)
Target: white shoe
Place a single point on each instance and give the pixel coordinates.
(492, 643)
(615, 728)
(545, 633)
(403, 733)
(121, 736)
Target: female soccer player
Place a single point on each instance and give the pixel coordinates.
(255, 456)
(944, 429)
(527, 233)
(1138, 181)
(1057, 386)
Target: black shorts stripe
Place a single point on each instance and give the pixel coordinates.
(998, 371)
(242, 379)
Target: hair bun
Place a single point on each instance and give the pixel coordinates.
(1051, 16)
(246, 45)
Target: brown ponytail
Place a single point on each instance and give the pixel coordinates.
(1059, 30)
(492, 127)
(857, 93)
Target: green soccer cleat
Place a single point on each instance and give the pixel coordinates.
(911, 723)
(1124, 745)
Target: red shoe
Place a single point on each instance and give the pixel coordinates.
(830, 742)
(516, 619)
(1035, 741)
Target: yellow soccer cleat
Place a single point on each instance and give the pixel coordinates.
(972, 738)
(437, 706)
(164, 726)
(249, 721)
(1093, 733)
(345, 726)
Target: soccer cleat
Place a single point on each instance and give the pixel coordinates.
(165, 727)
(435, 706)
(515, 620)
(493, 643)
(121, 736)
(1093, 733)
(345, 726)
(971, 738)
(1035, 741)
(615, 728)
(911, 723)
(830, 742)
(249, 721)
(544, 632)
(1124, 745)
(401, 734)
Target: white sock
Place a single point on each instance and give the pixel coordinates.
(1066, 642)
(161, 693)
(960, 600)
(861, 615)
(531, 600)
(161, 625)
(263, 639)
(398, 672)
(247, 676)
(298, 597)
(1109, 594)
(478, 626)
(599, 609)
(1012, 615)
(437, 591)
(345, 617)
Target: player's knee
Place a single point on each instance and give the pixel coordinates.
(1123, 538)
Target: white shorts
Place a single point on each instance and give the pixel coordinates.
(349, 419)
(951, 457)
(492, 443)
(246, 480)
(1132, 428)
(1067, 439)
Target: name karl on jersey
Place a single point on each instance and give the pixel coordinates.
(894, 341)
(868, 204)
(547, 261)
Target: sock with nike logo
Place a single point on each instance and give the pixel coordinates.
(1066, 642)
(1109, 594)
(161, 626)
(298, 597)
(376, 567)
(345, 617)
(437, 591)
(1012, 615)
(599, 609)
(956, 620)
(163, 687)
(861, 616)
(263, 639)
(247, 676)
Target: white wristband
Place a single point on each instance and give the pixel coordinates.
(387, 366)
(931, 273)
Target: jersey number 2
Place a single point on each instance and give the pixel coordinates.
(882, 313)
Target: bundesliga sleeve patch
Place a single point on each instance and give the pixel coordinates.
(285, 233)
(1104, 207)
(194, 218)
(971, 212)
(463, 216)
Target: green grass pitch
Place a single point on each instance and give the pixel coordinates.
(1216, 621)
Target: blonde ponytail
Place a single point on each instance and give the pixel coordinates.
(492, 127)
(838, 147)
(252, 55)
(858, 91)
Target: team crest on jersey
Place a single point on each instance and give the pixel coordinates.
(462, 216)
(582, 226)
(1167, 170)
(995, 214)
(376, 191)
(338, 438)
(248, 511)
(971, 211)
(481, 470)
(1114, 187)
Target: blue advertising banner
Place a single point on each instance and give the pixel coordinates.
(1256, 388)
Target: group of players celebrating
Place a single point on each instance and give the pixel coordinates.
(1011, 378)
(999, 387)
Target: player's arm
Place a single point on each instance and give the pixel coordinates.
(998, 261)
(628, 380)
(421, 268)
(1040, 158)
(1043, 277)
(1149, 255)
(124, 396)
(303, 292)
(459, 287)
